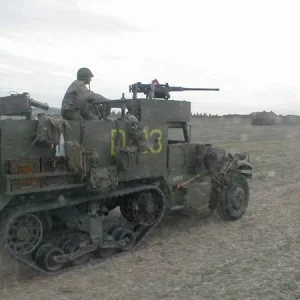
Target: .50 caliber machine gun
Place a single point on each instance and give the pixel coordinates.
(160, 90)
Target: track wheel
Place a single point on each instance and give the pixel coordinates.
(71, 246)
(116, 231)
(68, 245)
(45, 258)
(127, 235)
(24, 234)
(37, 252)
(145, 208)
(234, 199)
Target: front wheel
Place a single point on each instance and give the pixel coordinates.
(234, 199)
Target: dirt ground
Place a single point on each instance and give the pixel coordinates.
(192, 256)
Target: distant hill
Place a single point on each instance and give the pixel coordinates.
(52, 111)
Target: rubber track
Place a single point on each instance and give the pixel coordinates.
(96, 261)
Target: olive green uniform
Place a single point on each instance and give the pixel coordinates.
(74, 104)
(136, 132)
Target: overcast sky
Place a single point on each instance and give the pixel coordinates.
(248, 49)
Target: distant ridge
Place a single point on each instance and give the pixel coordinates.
(52, 111)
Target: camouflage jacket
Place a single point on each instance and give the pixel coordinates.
(136, 132)
(134, 122)
(77, 93)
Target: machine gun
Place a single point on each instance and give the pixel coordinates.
(160, 90)
(99, 108)
(20, 105)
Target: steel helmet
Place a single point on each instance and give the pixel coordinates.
(84, 73)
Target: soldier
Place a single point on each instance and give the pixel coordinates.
(153, 85)
(74, 104)
(135, 131)
(132, 118)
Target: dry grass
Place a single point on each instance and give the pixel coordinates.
(192, 256)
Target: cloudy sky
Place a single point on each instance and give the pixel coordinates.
(248, 49)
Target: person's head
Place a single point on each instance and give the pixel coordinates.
(155, 82)
(85, 75)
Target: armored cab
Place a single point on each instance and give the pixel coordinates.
(55, 210)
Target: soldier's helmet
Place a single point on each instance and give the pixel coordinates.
(84, 73)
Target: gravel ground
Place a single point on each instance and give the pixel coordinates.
(195, 256)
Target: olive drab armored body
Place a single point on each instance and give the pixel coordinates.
(55, 210)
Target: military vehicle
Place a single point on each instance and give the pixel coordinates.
(265, 118)
(56, 210)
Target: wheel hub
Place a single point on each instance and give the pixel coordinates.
(22, 233)
(143, 209)
(238, 197)
(149, 206)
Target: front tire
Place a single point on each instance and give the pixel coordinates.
(234, 199)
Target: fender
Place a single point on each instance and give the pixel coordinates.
(4, 200)
(244, 167)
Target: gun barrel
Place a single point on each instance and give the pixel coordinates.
(39, 104)
(181, 89)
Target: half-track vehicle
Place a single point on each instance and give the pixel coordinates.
(56, 207)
